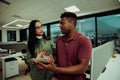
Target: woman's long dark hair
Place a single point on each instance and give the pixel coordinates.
(32, 40)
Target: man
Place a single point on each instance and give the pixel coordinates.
(73, 51)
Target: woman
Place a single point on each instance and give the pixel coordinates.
(38, 43)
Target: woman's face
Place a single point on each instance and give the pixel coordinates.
(38, 29)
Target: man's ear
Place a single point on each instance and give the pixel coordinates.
(72, 23)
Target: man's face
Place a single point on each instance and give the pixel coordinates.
(65, 25)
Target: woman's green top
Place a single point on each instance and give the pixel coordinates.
(35, 73)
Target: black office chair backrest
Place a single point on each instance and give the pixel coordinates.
(24, 51)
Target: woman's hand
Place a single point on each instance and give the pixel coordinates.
(51, 66)
(41, 54)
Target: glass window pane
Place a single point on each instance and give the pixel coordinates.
(11, 35)
(108, 28)
(55, 31)
(45, 29)
(87, 27)
(24, 34)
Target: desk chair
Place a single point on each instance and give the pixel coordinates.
(117, 44)
(88, 71)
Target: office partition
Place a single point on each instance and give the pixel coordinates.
(100, 57)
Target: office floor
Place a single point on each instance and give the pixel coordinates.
(21, 76)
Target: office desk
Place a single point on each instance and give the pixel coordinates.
(2, 59)
(112, 71)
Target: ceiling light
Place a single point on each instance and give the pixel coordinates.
(22, 26)
(72, 9)
(24, 20)
(11, 27)
(10, 23)
(26, 25)
(18, 25)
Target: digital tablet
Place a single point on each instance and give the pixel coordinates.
(44, 60)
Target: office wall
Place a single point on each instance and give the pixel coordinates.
(4, 35)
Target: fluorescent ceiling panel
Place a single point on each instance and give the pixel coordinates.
(17, 25)
(72, 9)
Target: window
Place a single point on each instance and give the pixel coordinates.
(55, 31)
(45, 29)
(108, 28)
(11, 35)
(87, 27)
(23, 34)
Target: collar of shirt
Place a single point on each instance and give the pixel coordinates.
(73, 38)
